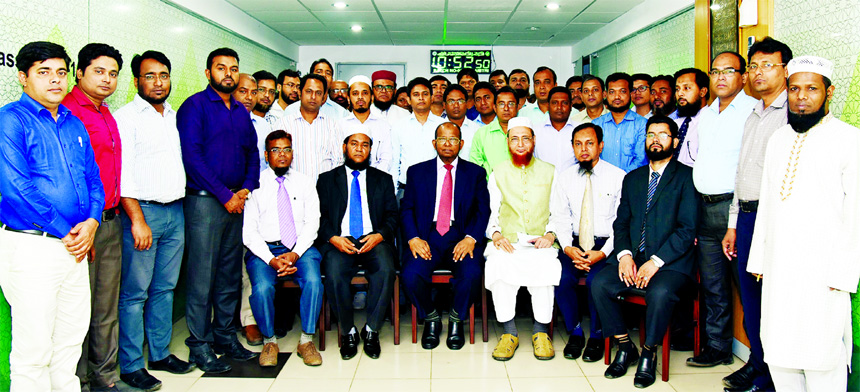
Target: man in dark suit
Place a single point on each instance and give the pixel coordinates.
(358, 221)
(653, 255)
(444, 223)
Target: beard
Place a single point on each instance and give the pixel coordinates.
(356, 165)
(804, 122)
(665, 110)
(287, 99)
(578, 106)
(154, 101)
(280, 171)
(690, 109)
(586, 166)
(522, 160)
(659, 155)
(360, 110)
(618, 109)
(259, 107)
(222, 88)
(382, 105)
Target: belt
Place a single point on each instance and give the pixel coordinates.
(749, 206)
(596, 240)
(33, 232)
(156, 203)
(717, 198)
(109, 215)
(200, 192)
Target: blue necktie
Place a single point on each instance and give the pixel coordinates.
(356, 226)
(682, 133)
(652, 186)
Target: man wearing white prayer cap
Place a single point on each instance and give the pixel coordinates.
(523, 250)
(361, 96)
(810, 199)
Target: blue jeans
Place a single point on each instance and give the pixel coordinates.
(263, 279)
(148, 280)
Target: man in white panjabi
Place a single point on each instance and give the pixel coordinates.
(809, 197)
(522, 253)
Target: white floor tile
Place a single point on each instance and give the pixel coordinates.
(317, 384)
(578, 384)
(378, 385)
(470, 385)
(466, 365)
(219, 384)
(709, 382)
(394, 365)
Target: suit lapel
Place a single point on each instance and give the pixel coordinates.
(668, 174)
(340, 179)
(460, 188)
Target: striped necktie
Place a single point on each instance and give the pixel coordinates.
(652, 186)
(286, 221)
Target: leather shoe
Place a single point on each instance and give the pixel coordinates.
(711, 357)
(172, 364)
(742, 379)
(236, 351)
(349, 345)
(141, 379)
(646, 373)
(253, 335)
(207, 361)
(593, 350)
(574, 346)
(456, 339)
(371, 344)
(623, 360)
(430, 337)
(752, 388)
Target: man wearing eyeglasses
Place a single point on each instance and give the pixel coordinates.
(641, 94)
(443, 223)
(384, 84)
(361, 99)
(267, 91)
(455, 107)
(721, 128)
(490, 146)
(246, 93)
(288, 94)
(339, 93)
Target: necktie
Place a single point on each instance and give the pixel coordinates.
(682, 133)
(285, 216)
(652, 186)
(586, 219)
(443, 217)
(356, 226)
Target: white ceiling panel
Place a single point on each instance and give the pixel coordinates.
(476, 27)
(268, 17)
(415, 26)
(569, 6)
(483, 5)
(543, 16)
(365, 27)
(597, 17)
(582, 27)
(478, 16)
(413, 16)
(410, 5)
(298, 26)
(614, 6)
(348, 17)
(328, 5)
(267, 5)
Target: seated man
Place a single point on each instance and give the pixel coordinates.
(654, 233)
(522, 252)
(280, 225)
(444, 223)
(358, 231)
(585, 202)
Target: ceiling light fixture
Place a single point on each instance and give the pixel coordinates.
(356, 28)
(532, 28)
(552, 6)
(340, 5)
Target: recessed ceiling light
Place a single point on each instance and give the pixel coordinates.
(356, 28)
(552, 6)
(340, 5)
(532, 28)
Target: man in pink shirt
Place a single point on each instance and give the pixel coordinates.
(98, 68)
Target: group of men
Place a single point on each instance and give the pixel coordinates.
(635, 183)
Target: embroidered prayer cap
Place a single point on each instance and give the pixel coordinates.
(360, 78)
(383, 74)
(356, 127)
(814, 64)
(520, 122)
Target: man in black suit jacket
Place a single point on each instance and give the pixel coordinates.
(455, 189)
(653, 255)
(358, 221)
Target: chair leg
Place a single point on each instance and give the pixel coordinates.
(396, 307)
(607, 350)
(321, 327)
(414, 325)
(484, 322)
(327, 311)
(472, 324)
(667, 347)
(642, 332)
(339, 338)
(552, 323)
(697, 333)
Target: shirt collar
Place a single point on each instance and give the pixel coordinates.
(660, 172)
(349, 171)
(441, 165)
(141, 105)
(778, 103)
(715, 106)
(35, 107)
(82, 99)
(213, 96)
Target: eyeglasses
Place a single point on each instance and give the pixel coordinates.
(452, 140)
(151, 77)
(662, 136)
(727, 72)
(643, 88)
(501, 105)
(524, 139)
(457, 101)
(380, 87)
(269, 91)
(276, 150)
(340, 90)
(764, 67)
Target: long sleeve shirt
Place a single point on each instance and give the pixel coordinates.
(263, 129)
(381, 153)
(219, 145)
(317, 146)
(413, 142)
(623, 143)
(48, 173)
(489, 146)
(104, 137)
(554, 146)
(689, 147)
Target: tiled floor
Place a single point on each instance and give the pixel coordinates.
(408, 367)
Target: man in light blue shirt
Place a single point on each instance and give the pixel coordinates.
(623, 129)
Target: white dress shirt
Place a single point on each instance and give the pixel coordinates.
(263, 130)
(275, 114)
(381, 152)
(365, 210)
(554, 146)
(392, 115)
(467, 130)
(440, 180)
(261, 221)
(151, 155)
(566, 202)
(657, 261)
(413, 142)
(317, 147)
(689, 148)
(328, 108)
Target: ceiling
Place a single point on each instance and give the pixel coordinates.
(436, 22)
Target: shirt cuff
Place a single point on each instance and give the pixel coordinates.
(657, 261)
(624, 253)
(733, 221)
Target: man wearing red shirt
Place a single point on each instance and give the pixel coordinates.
(98, 68)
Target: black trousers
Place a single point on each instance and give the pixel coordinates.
(339, 269)
(717, 273)
(213, 240)
(661, 295)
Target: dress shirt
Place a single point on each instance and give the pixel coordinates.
(261, 220)
(392, 115)
(50, 180)
(649, 114)
(365, 210)
(328, 108)
(467, 132)
(440, 180)
(690, 146)
(275, 114)
(720, 135)
(104, 137)
(760, 125)
(554, 146)
(624, 143)
(533, 113)
(263, 129)
(582, 117)
(489, 147)
(317, 146)
(480, 121)
(566, 202)
(381, 152)
(219, 145)
(151, 154)
(472, 113)
(657, 261)
(413, 142)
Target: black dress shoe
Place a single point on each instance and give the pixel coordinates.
(742, 379)
(371, 344)
(574, 346)
(593, 350)
(236, 351)
(207, 361)
(623, 360)
(711, 357)
(752, 388)
(646, 373)
(141, 379)
(349, 345)
(430, 337)
(172, 364)
(456, 339)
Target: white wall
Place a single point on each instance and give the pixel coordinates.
(417, 58)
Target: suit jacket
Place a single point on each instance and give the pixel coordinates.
(471, 200)
(381, 201)
(670, 224)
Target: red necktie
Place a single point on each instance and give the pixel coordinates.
(443, 218)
